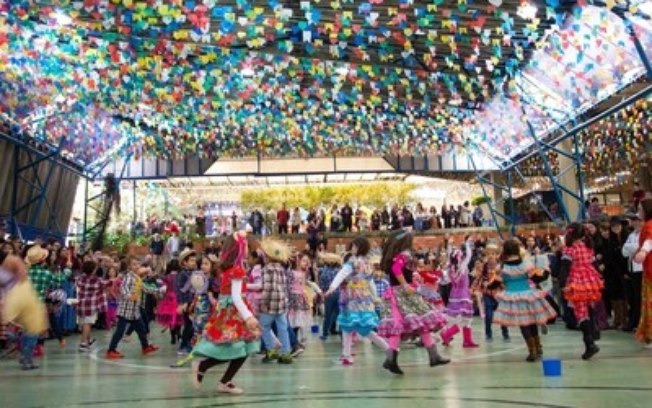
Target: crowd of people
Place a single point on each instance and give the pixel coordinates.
(333, 220)
(219, 303)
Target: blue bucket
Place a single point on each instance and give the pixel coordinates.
(314, 329)
(551, 367)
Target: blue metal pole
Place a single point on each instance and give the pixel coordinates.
(548, 169)
(578, 128)
(512, 217)
(580, 176)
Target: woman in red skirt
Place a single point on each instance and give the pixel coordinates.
(583, 286)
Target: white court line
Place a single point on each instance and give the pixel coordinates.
(94, 356)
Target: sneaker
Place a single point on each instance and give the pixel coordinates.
(544, 330)
(648, 346)
(229, 388)
(91, 342)
(323, 338)
(346, 361)
(126, 339)
(507, 339)
(285, 359)
(114, 355)
(84, 348)
(489, 339)
(150, 349)
(29, 366)
(297, 351)
(38, 351)
(270, 356)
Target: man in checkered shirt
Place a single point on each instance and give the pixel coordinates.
(273, 309)
(130, 300)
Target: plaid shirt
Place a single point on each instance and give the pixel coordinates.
(91, 293)
(274, 299)
(130, 297)
(43, 280)
(381, 286)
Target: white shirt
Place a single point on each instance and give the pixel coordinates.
(629, 250)
(173, 244)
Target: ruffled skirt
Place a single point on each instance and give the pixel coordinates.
(226, 336)
(584, 286)
(167, 314)
(460, 307)
(523, 308)
(405, 314)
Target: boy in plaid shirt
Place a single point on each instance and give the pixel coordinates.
(273, 309)
(130, 299)
(91, 298)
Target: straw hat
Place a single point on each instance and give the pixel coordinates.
(276, 250)
(36, 255)
(375, 260)
(186, 253)
(329, 258)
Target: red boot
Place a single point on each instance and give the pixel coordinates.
(38, 351)
(468, 338)
(447, 334)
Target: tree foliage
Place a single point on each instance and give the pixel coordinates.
(372, 195)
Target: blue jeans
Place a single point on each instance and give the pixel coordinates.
(281, 322)
(331, 310)
(490, 304)
(27, 344)
(120, 328)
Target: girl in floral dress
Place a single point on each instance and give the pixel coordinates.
(357, 299)
(405, 312)
(583, 286)
(232, 332)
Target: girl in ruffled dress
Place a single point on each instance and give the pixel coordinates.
(300, 310)
(255, 281)
(460, 303)
(232, 332)
(520, 304)
(167, 312)
(583, 286)
(405, 312)
(357, 299)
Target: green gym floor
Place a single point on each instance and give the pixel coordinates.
(493, 375)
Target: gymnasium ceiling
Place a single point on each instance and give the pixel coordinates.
(167, 79)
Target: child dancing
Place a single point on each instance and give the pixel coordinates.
(460, 304)
(232, 332)
(405, 312)
(583, 286)
(357, 299)
(521, 305)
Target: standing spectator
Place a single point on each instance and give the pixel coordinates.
(295, 220)
(644, 256)
(385, 218)
(234, 222)
(634, 279)
(446, 217)
(173, 245)
(375, 221)
(638, 195)
(200, 223)
(408, 218)
(594, 208)
(478, 216)
(420, 216)
(156, 248)
(347, 217)
(282, 219)
(256, 221)
(336, 219)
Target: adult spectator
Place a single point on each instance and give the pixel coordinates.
(347, 217)
(173, 245)
(478, 216)
(200, 223)
(638, 195)
(295, 220)
(336, 219)
(156, 248)
(282, 220)
(256, 221)
(634, 279)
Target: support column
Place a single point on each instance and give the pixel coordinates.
(498, 200)
(569, 178)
